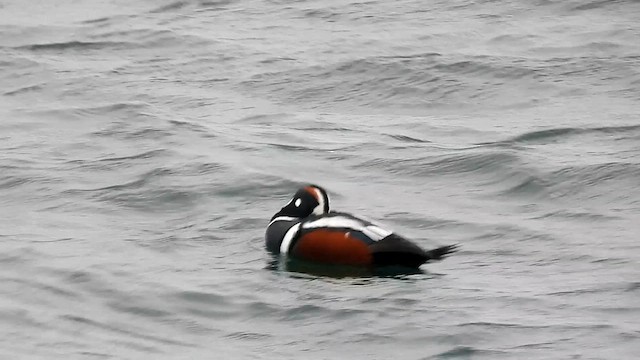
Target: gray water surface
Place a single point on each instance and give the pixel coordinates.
(145, 144)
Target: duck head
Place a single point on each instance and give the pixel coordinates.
(308, 200)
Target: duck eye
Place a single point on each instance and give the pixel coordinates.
(298, 202)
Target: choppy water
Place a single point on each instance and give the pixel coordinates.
(144, 145)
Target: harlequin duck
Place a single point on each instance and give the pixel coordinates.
(305, 229)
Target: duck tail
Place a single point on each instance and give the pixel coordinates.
(442, 252)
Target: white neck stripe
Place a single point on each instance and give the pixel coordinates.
(288, 237)
(283, 218)
(320, 207)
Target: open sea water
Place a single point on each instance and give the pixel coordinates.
(144, 145)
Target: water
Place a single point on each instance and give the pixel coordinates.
(144, 145)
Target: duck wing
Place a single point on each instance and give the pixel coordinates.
(346, 239)
(364, 230)
(335, 238)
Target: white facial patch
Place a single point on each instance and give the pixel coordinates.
(298, 202)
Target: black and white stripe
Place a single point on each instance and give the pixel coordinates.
(345, 221)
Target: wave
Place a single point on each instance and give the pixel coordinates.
(23, 89)
(409, 139)
(540, 135)
(407, 80)
(553, 135)
(259, 187)
(509, 172)
(122, 110)
(459, 352)
(578, 215)
(587, 181)
(79, 45)
(488, 162)
(436, 80)
(202, 5)
(132, 332)
(161, 189)
(170, 7)
(143, 155)
(598, 4)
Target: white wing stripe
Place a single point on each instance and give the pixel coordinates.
(337, 222)
(376, 232)
(372, 231)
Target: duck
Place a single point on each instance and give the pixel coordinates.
(306, 229)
